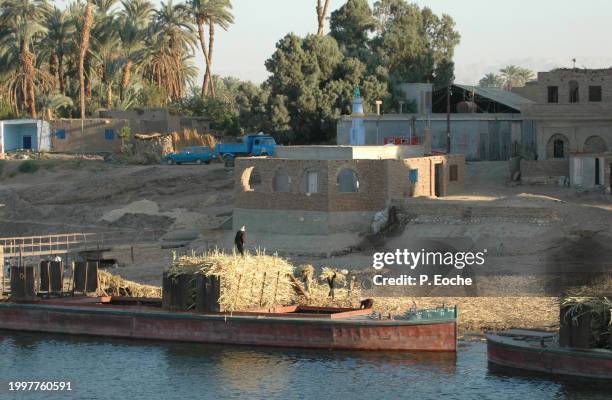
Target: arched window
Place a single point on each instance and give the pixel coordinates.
(347, 181)
(251, 180)
(282, 181)
(558, 146)
(310, 181)
(595, 144)
(574, 92)
(559, 150)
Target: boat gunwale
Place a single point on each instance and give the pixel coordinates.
(587, 353)
(142, 312)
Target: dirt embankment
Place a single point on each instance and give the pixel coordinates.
(62, 196)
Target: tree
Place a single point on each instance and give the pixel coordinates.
(167, 56)
(22, 24)
(132, 25)
(312, 84)
(412, 42)
(82, 52)
(351, 24)
(491, 80)
(211, 13)
(514, 76)
(322, 7)
(57, 43)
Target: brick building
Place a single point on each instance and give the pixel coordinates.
(318, 190)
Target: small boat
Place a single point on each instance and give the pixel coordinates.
(293, 326)
(540, 352)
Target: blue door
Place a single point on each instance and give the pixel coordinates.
(27, 142)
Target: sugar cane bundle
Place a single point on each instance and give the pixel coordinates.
(253, 281)
(115, 285)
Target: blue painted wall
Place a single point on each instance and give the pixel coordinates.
(14, 133)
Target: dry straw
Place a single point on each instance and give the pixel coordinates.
(115, 285)
(261, 281)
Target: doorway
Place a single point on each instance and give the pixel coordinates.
(597, 172)
(438, 175)
(27, 142)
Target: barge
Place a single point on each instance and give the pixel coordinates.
(294, 326)
(540, 352)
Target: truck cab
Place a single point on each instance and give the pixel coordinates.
(261, 145)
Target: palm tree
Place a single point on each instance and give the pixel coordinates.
(211, 13)
(22, 24)
(491, 80)
(168, 51)
(60, 29)
(51, 103)
(82, 52)
(132, 25)
(514, 76)
(104, 51)
(321, 14)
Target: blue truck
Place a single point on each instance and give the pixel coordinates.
(252, 145)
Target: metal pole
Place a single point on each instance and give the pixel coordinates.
(448, 124)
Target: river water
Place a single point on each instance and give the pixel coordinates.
(120, 369)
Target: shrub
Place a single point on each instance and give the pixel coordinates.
(28, 167)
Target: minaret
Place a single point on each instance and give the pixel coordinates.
(358, 127)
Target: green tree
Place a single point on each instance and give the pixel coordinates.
(22, 27)
(351, 25)
(311, 85)
(57, 44)
(167, 56)
(414, 42)
(211, 13)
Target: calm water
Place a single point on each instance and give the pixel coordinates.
(134, 370)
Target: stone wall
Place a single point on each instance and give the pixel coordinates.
(544, 171)
(419, 212)
(92, 139)
(585, 78)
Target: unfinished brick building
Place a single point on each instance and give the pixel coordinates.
(318, 190)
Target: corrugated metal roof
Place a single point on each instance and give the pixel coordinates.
(504, 97)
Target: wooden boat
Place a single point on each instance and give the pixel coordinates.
(302, 327)
(540, 352)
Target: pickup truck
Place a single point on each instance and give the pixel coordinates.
(252, 145)
(197, 154)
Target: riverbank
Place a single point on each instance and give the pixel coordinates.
(481, 314)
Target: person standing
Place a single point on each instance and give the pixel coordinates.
(240, 240)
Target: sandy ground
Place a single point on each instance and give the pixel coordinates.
(146, 209)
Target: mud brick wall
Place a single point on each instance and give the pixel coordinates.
(379, 182)
(371, 175)
(399, 185)
(91, 139)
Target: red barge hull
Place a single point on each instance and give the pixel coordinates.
(287, 327)
(538, 353)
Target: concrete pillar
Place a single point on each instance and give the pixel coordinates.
(427, 141)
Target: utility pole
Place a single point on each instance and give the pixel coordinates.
(448, 127)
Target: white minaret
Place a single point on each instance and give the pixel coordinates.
(358, 127)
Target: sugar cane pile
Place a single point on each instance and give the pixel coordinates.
(115, 285)
(262, 281)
